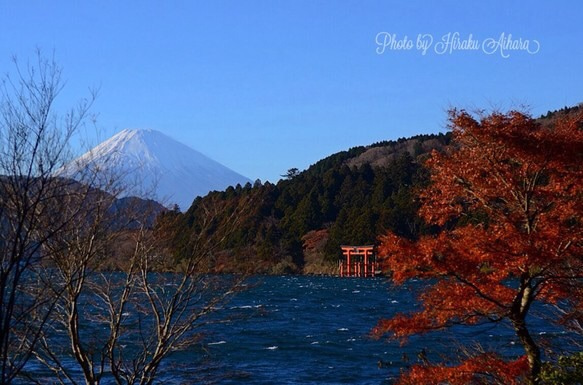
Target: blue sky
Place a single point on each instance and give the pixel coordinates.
(264, 86)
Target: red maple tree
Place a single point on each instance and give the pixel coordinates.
(507, 199)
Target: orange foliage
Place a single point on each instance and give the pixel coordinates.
(315, 239)
(482, 369)
(508, 199)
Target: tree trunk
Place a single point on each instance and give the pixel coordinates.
(532, 350)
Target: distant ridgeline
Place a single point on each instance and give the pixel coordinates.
(562, 112)
(298, 224)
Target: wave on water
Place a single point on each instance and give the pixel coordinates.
(320, 330)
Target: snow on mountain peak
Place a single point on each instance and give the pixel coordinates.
(175, 172)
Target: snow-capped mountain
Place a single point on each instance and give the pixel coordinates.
(159, 166)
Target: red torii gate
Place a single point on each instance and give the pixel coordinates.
(358, 261)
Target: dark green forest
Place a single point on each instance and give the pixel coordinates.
(298, 224)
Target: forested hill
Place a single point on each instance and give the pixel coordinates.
(298, 224)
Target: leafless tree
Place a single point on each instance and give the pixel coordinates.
(122, 325)
(34, 144)
(79, 288)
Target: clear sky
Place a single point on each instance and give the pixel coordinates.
(264, 86)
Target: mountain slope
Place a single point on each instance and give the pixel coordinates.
(298, 224)
(157, 166)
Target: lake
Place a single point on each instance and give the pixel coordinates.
(304, 330)
(316, 330)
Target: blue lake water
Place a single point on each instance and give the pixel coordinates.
(316, 330)
(304, 330)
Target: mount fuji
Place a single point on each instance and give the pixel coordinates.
(169, 171)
